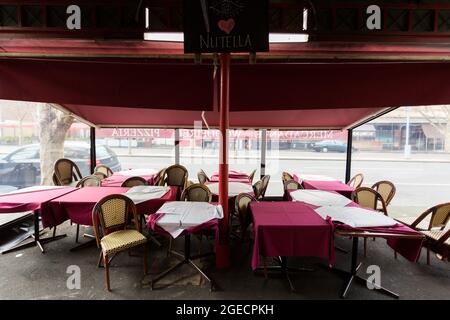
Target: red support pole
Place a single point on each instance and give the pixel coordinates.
(223, 248)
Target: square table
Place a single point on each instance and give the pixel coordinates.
(186, 257)
(233, 176)
(324, 183)
(401, 238)
(288, 229)
(36, 201)
(335, 186)
(118, 178)
(77, 206)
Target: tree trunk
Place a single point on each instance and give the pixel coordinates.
(53, 127)
(447, 135)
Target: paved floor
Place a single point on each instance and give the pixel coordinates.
(28, 274)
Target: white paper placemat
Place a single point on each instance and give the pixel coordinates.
(315, 177)
(36, 188)
(234, 188)
(141, 194)
(181, 215)
(320, 198)
(138, 172)
(356, 217)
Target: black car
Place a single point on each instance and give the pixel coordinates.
(21, 168)
(330, 146)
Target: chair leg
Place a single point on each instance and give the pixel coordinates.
(428, 256)
(200, 244)
(395, 255)
(77, 235)
(106, 264)
(169, 247)
(100, 259)
(145, 259)
(54, 232)
(365, 247)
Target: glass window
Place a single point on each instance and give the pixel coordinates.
(135, 148)
(411, 148)
(199, 149)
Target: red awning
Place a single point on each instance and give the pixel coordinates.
(288, 119)
(260, 87)
(112, 83)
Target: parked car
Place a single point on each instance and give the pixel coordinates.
(21, 168)
(330, 146)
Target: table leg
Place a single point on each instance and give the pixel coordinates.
(352, 276)
(186, 258)
(37, 240)
(284, 270)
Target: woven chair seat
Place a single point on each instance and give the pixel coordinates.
(121, 240)
(423, 225)
(436, 235)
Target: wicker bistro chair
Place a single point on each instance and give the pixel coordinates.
(432, 224)
(67, 172)
(292, 185)
(104, 169)
(436, 217)
(176, 175)
(356, 181)
(386, 189)
(265, 183)
(371, 199)
(251, 176)
(159, 180)
(134, 181)
(100, 175)
(202, 177)
(258, 189)
(89, 181)
(241, 203)
(110, 218)
(55, 179)
(196, 192)
(437, 241)
(286, 176)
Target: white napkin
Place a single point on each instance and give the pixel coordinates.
(234, 188)
(320, 198)
(138, 172)
(141, 194)
(181, 215)
(315, 177)
(356, 217)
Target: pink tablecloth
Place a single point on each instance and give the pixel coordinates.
(33, 200)
(78, 205)
(290, 229)
(233, 176)
(117, 179)
(336, 186)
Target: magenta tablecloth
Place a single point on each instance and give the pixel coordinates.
(77, 206)
(336, 186)
(290, 229)
(233, 176)
(117, 179)
(408, 248)
(33, 200)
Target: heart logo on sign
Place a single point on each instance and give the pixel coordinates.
(226, 25)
